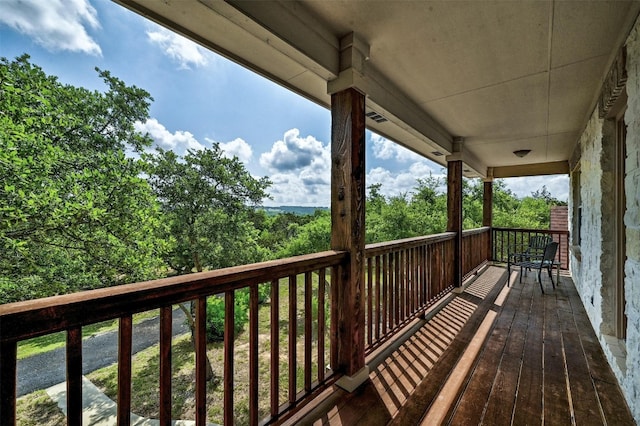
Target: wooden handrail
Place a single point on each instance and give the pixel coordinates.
(406, 243)
(32, 318)
(539, 231)
(481, 230)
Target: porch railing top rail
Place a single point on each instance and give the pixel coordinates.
(474, 231)
(32, 318)
(406, 243)
(532, 230)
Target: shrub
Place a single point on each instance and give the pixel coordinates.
(215, 311)
(264, 290)
(27, 288)
(215, 315)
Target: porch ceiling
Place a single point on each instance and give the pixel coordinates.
(502, 75)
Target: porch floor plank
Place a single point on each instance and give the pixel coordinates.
(540, 363)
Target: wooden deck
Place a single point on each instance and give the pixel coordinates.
(493, 355)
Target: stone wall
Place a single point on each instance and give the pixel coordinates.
(631, 382)
(589, 281)
(593, 257)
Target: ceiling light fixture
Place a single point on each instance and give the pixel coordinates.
(521, 152)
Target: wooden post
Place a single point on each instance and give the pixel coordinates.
(454, 211)
(347, 228)
(487, 203)
(487, 214)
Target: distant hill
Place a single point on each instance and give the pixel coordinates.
(299, 210)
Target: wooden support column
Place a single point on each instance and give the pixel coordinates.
(454, 212)
(487, 213)
(347, 233)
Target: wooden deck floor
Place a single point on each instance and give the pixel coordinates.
(494, 355)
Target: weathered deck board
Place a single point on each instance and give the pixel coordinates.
(528, 409)
(540, 363)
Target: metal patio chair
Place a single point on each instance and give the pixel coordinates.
(546, 261)
(534, 249)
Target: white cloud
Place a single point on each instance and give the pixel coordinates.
(300, 170)
(403, 182)
(385, 149)
(55, 24)
(291, 189)
(236, 148)
(557, 185)
(178, 48)
(295, 153)
(178, 141)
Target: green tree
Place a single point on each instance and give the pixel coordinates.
(74, 211)
(312, 237)
(207, 200)
(429, 206)
(275, 232)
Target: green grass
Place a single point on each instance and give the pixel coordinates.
(38, 409)
(53, 341)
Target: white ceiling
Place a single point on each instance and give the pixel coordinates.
(503, 75)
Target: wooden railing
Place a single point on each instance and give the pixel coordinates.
(504, 239)
(303, 282)
(402, 279)
(476, 249)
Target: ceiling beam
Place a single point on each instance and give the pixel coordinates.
(473, 167)
(537, 169)
(289, 28)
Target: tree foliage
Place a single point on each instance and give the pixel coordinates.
(74, 212)
(84, 204)
(206, 199)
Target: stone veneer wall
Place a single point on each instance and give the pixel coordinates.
(586, 273)
(631, 383)
(593, 268)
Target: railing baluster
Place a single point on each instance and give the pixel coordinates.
(275, 347)
(229, 332)
(321, 322)
(385, 293)
(369, 298)
(406, 284)
(378, 302)
(201, 361)
(415, 279)
(397, 285)
(124, 370)
(74, 376)
(308, 318)
(336, 282)
(165, 364)
(293, 329)
(253, 355)
(409, 283)
(8, 380)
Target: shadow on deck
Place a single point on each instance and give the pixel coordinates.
(494, 354)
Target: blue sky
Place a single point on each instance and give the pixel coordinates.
(201, 98)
